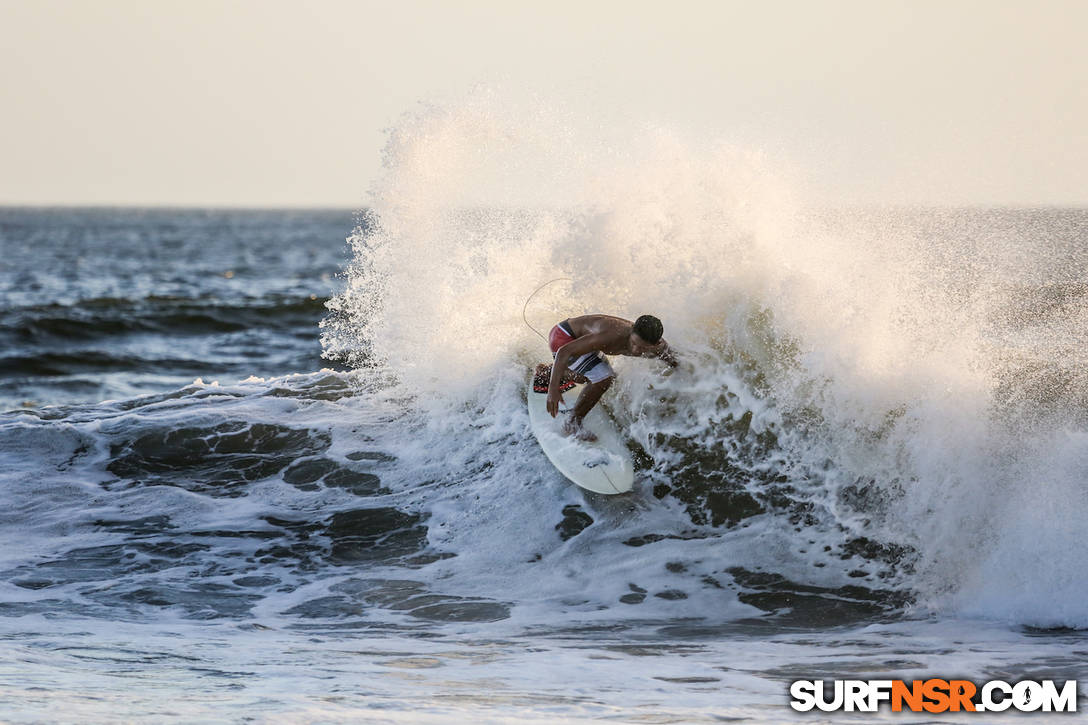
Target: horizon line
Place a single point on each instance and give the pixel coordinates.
(46, 206)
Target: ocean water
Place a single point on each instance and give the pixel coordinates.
(275, 466)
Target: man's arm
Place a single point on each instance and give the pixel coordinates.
(572, 350)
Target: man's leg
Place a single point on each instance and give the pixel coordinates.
(589, 397)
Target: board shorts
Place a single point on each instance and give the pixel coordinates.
(593, 365)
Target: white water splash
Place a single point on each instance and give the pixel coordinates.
(866, 338)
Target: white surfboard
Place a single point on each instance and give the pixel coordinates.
(603, 466)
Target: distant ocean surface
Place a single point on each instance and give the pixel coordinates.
(874, 466)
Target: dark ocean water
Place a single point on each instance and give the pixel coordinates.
(110, 303)
(206, 520)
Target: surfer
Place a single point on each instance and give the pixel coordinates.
(579, 346)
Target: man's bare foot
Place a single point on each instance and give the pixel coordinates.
(574, 428)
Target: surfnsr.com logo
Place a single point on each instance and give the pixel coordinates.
(934, 695)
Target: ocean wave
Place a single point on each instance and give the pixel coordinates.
(299, 498)
(105, 317)
(870, 385)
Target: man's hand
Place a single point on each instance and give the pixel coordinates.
(554, 399)
(666, 355)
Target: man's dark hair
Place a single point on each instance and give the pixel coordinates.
(648, 328)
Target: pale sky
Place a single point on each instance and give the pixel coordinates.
(271, 103)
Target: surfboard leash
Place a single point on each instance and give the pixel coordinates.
(530, 297)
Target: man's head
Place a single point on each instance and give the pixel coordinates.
(645, 334)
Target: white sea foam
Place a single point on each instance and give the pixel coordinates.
(871, 348)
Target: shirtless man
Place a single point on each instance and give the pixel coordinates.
(579, 346)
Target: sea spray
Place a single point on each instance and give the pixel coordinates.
(846, 362)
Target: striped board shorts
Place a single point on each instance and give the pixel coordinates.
(593, 365)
